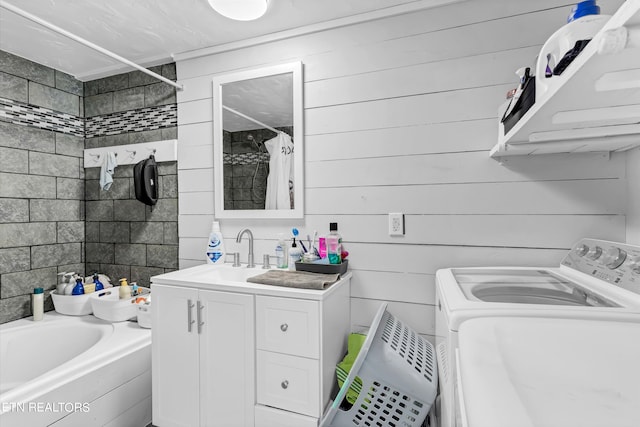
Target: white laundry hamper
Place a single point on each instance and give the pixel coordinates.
(399, 378)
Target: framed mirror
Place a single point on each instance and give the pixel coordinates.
(258, 145)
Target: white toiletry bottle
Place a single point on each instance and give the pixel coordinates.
(215, 247)
(62, 284)
(281, 252)
(71, 283)
(37, 303)
(295, 253)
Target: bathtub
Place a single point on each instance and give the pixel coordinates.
(74, 371)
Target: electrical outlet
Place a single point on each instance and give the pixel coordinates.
(396, 224)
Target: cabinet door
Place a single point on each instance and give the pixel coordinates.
(175, 357)
(227, 360)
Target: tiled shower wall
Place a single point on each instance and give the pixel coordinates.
(42, 180)
(124, 237)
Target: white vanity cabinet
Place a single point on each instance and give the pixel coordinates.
(232, 353)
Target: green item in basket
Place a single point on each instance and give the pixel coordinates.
(354, 344)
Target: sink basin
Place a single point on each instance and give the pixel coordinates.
(219, 273)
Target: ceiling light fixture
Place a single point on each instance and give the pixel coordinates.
(240, 10)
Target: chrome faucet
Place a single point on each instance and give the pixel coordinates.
(242, 232)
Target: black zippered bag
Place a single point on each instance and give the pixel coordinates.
(145, 181)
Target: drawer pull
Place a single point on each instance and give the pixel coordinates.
(284, 327)
(284, 384)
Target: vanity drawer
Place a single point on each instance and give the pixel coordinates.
(289, 382)
(288, 325)
(272, 417)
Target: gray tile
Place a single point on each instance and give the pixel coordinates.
(101, 210)
(165, 256)
(164, 210)
(68, 83)
(159, 94)
(168, 186)
(123, 171)
(69, 145)
(170, 133)
(14, 308)
(31, 186)
(98, 104)
(138, 78)
(55, 99)
(145, 136)
(141, 275)
(27, 138)
(14, 210)
(128, 210)
(169, 71)
(114, 232)
(70, 188)
(133, 254)
(113, 83)
(92, 231)
(54, 255)
(54, 164)
(107, 141)
(167, 168)
(54, 210)
(22, 283)
(119, 189)
(171, 233)
(92, 189)
(128, 99)
(115, 272)
(91, 87)
(92, 173)
(71, 232)
(99, 252)
(27, 234)
(22, 67)
(147, 232)
(12, 87)
(15, 259)
(14, 160)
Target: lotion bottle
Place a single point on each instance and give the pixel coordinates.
(215, 247)
(125, 290)
(37, 304)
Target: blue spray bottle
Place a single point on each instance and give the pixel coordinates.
(96, 280)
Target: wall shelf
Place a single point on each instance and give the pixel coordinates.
(593, 106)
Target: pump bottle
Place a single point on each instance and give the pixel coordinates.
(215, 247)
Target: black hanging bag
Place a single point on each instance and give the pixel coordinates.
(145, 181)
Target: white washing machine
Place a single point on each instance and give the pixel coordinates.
(545, 372)
(596, 280)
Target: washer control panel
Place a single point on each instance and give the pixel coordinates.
(616, 263)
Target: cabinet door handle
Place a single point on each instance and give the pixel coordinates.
(284, 384)
(284, 327)
(190, 320)
(199, 313)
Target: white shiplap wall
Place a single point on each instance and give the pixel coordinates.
(400, 114)
(633, 196)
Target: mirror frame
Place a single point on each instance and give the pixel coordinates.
(298, 139)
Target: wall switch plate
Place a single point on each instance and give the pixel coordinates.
(396, 224)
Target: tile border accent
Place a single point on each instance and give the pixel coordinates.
(245, 158)
(138, 120)
(24, 114)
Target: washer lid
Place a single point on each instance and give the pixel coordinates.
(549, 372)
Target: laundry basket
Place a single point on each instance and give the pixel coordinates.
(399, 378)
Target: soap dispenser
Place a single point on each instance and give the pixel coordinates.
(62, 283)
(125, 290)
(70, 283)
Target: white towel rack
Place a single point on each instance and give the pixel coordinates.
(130, 154)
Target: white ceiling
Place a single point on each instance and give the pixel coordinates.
(149, 32)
